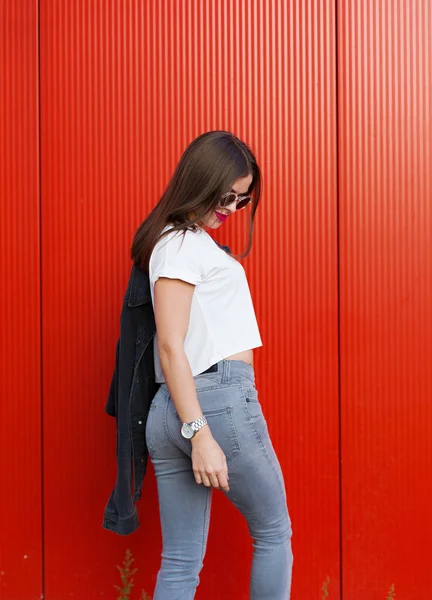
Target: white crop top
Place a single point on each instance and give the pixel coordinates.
(222, 320)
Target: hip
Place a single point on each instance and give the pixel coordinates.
(228, 398)
(246, 356)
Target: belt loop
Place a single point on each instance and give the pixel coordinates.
(225, 371)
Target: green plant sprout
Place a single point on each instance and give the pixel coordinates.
(126, 576)
(392, 593)
(325, 587)
(127, 573)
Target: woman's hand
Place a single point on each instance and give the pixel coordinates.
(208, 461)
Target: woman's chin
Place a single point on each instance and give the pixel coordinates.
(213, 223)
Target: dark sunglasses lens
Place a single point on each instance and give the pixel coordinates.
(228, 199)
(243, 202)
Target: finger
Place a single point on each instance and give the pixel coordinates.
(197, 477)
(214, 481)
(205, 480)
(223, 482)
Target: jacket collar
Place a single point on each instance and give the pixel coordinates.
(139, 288)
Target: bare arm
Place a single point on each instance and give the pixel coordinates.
(173, 299)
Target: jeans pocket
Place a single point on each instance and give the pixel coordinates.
(255, 413)
(149, 430)
(223, 430)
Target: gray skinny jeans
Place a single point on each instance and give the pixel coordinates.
(230, 402)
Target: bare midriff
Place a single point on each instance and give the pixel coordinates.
(246, 356)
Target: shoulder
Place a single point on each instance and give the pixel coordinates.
(186, 241)
(175, 246)
(179, 255)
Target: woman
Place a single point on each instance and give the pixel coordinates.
(206, 429)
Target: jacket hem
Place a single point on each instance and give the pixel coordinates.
(111, 522)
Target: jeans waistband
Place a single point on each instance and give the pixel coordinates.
(231, 369)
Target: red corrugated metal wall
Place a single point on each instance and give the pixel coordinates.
(20, 414)
(385, 126)
(124, 88)
(335, 97)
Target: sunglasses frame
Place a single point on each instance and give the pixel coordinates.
(238, 199)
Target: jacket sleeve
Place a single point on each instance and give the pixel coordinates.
(112, 401)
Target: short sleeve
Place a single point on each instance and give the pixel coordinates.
(178, 256)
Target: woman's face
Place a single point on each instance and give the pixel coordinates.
(215, 218)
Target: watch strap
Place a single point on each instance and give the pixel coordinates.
(198, 423)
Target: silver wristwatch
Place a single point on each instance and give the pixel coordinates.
(188, 430)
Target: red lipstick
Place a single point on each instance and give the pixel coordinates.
(221, 216)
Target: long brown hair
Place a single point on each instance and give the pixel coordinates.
(208, 168)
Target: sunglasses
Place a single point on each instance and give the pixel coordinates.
(241, 200)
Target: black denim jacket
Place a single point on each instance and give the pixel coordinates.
(131, 392)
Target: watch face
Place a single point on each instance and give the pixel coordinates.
(187, 431)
